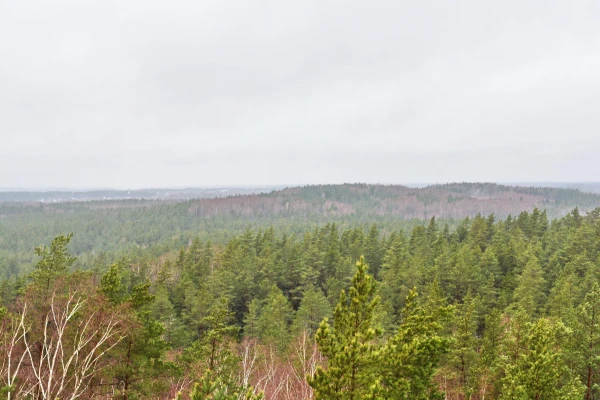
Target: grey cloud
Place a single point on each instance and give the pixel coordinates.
(137, 93)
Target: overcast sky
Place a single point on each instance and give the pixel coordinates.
(146, 93)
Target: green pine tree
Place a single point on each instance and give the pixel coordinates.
(313, 309)
(273, 324)
(529, 294)
(587, 340)
(141, 355)
(410, 359)
(56, 261)
(539, 372)
(463, 357)
(350, 344)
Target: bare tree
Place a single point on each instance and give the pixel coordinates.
(58, 353)
(280, 377)
(306, 358)
(249, 356)
(12, 354)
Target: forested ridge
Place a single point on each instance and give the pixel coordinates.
(485, 308)
(136, 226)
(442, 201)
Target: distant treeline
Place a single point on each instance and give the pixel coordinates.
(115, 227)
(54, 196)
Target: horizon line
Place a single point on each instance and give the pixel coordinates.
(279, 186)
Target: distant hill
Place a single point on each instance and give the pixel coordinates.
(135, 226)
(591, 187)
(448, 201)
(62, 196)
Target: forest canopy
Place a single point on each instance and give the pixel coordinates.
(433, 310)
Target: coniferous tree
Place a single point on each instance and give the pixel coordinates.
(561, 300)
(273, 324)
(313, 309)
(395, 274)
(529, 294)
(410, 359)
(373, 251)
(211, 388)
(538, 372)
(141, 354)
(489, 359)
(56, 261)
(349, 344)
(211, 355)
(463, 358)
(251, 324)
(587, 341)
